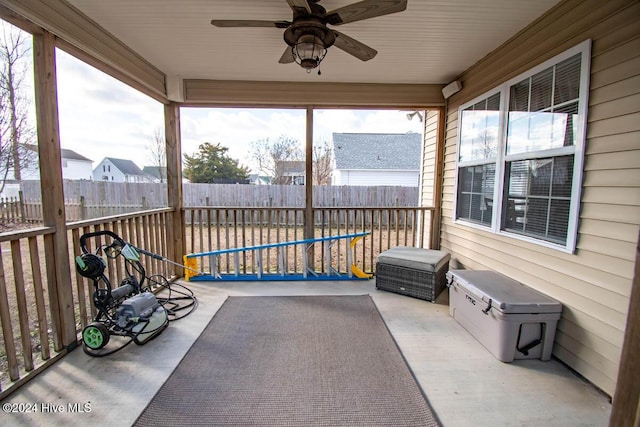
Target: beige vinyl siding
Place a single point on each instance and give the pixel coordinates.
(238, 93)
(428, 174)
(593, 284)
(429, 158)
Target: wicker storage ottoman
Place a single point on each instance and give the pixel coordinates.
(419, 273)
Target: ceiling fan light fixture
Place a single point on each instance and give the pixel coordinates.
(309, 51)
(308, 36)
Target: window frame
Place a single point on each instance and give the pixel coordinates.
(480, 162)
(501, 158)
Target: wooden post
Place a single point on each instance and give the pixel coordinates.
(176, 237)
(23, 214)
(436, 214)
(53, 212)
(626, 400)
(308, 186)
(83, 208)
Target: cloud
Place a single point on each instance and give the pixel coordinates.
(102, 117)
(365, 121)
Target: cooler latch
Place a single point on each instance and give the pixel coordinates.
(488, 309)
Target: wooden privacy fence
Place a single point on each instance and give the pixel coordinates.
(88, 200)
(14, 210)
(294, 195)
(155, 194)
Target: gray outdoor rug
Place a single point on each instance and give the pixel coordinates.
(292, 361)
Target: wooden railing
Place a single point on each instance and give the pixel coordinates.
(24, 306)
(211, 228)
(29, 342)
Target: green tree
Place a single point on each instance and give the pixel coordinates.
(212, 164)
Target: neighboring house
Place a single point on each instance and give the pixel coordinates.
(256, 179)
(376, 159)
(290, 172)
(156, 173)
(119, 170)
(74, 166)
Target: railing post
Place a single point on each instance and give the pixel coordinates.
(53, 212)
(176, 228)
(308, 206)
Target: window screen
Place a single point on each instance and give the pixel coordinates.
(520, 153)
(479, 141)
(543, 112)
(538, 197)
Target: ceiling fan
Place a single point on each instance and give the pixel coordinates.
(308, 36)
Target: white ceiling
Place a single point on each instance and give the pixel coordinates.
(432, 41)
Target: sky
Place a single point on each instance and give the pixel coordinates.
(102, 117)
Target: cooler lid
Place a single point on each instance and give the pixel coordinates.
(506, 294)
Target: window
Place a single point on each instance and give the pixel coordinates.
(479, 131)
(522, 147)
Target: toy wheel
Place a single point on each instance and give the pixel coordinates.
(95, 335)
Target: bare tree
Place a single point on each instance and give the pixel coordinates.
(487, 147)
(322, 164)
(158, 153)
(269, 155)
(16, 130)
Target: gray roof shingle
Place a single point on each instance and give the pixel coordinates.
(159, 172)
(291, 167)
(391, 151)
(127, 167)
(65, 153)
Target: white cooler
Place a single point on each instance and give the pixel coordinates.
(510, 319)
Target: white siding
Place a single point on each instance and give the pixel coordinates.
(106, 171)
(594, 283)
(76, 169)
(376, 177)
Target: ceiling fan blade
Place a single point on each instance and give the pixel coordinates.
(297, 5)
(287, 56)
(231, 23)
(364, 10)
(354, 47)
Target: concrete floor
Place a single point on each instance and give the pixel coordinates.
(464, 383)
